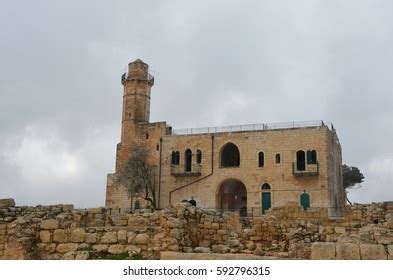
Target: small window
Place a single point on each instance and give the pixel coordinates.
(278, 158)
(199, 157)
(175, 159)
(147, 135)
(311, 157)
(261, 159)
(158, 147)
(188, 160)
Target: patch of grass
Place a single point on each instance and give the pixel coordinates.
(108, 256)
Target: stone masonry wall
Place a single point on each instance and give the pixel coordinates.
(62, 232)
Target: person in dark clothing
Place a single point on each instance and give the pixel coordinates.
(192, 201)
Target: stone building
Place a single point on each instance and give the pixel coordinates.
(247, 168)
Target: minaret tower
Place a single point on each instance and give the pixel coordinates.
(137, 82)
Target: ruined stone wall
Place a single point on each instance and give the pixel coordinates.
(62, 232)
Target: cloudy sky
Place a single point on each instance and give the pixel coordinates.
(258, 61)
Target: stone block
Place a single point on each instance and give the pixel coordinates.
(122, 235)
(372, 252)
(116, 249)
(141, 239)
(204, 243)
(323, 251)
(45, 236)
(390, 251)
(91, 238)
(82, 255)
(7, 202)
(109, 237)
(204, 250)
(250, 245)
(221, 249)
(50, 224)
(60, 236)
(347, 251)
(131, 236)
(100, 248)
(132, 250)
(222, 231)
(69, 256)
(66, 247)
(78, 235)
(215, 225)
(339, 230)
(207, 225)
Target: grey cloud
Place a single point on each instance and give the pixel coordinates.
(215, 63)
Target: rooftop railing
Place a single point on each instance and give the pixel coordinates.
(252, 127)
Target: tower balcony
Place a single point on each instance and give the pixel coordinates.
(180, 170)
(137, 76)
(305, 169)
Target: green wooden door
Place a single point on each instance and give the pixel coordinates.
(266, 201)
(305, 200)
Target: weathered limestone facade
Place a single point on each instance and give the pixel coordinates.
(224, 168)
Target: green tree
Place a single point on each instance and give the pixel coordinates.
(138, 176)
(352, 178)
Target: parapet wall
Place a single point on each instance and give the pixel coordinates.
(62, 232)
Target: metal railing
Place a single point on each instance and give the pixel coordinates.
(149, 77)
(252, 127)
(309, 169)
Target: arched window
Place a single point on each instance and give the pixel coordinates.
(278, 158)
(311, 157)
(188, 160)
(230, 156)
(175, 159)
(261, 159)
(300, 160)
(265, 186)
(199, 157)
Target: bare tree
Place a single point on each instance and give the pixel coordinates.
(138, 175)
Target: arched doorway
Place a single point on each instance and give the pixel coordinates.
(266, 197)
(232, 196)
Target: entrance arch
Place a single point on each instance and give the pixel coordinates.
(232, 196)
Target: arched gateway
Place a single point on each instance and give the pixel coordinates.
(232, 196)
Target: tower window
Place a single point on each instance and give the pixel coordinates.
(261, 159)
(278, 158)
(158, 147)
(199, 157)
(147, 135)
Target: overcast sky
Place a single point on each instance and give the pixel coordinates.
(215, 63)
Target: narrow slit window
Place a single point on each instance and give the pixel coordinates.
(278, 158)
